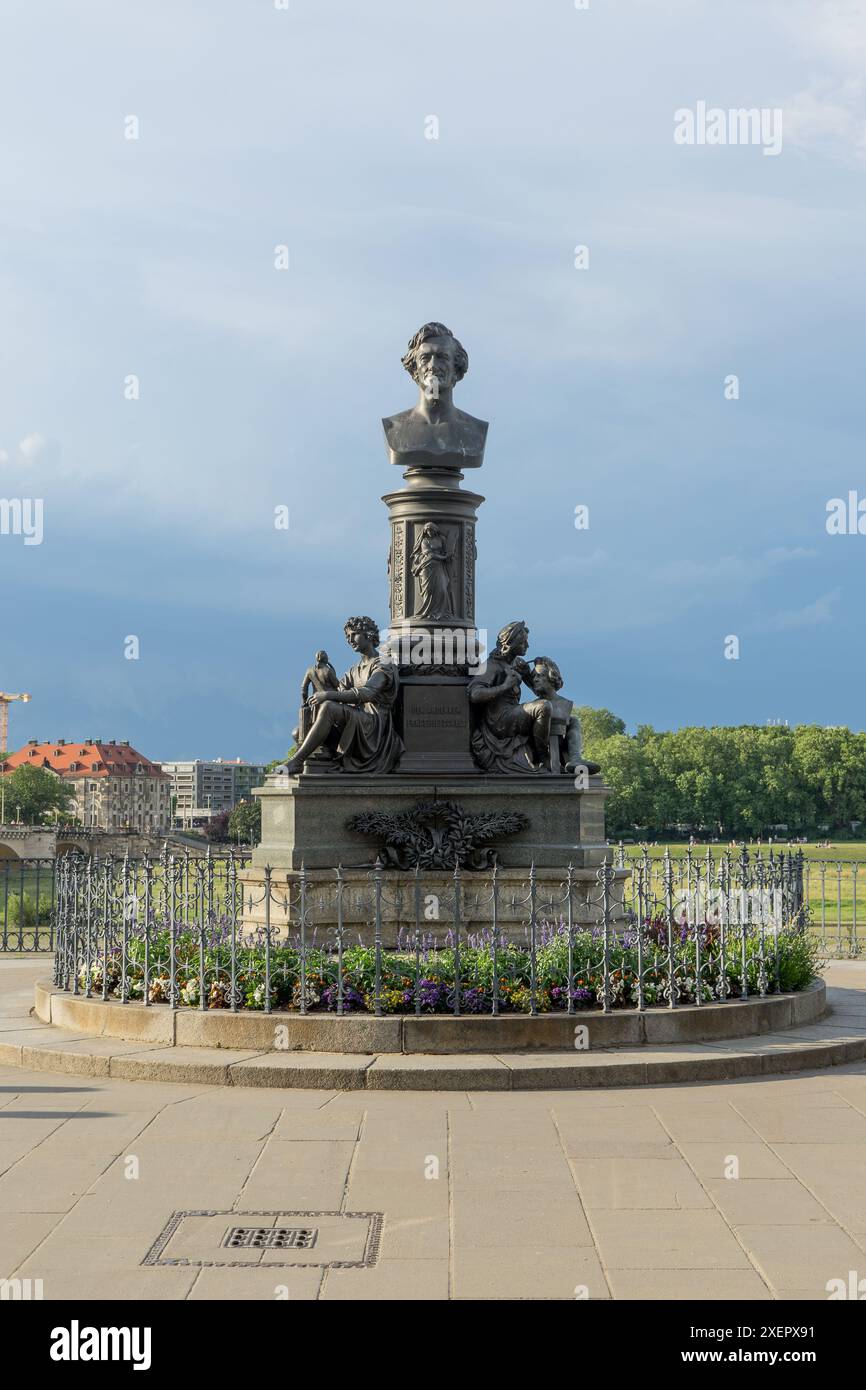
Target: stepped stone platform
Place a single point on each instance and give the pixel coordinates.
(781, 1042)
(438, 1034)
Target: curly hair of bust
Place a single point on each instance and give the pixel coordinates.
(435, 330)
(553, 671)
(363, 625)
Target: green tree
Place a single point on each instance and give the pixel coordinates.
(33, 792)
(629, 774)
(281, 762)
(597, 724)
(833, 763)
(245, 822)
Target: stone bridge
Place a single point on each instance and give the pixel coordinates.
(48, 841)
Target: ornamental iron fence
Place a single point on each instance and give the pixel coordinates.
(833, 892)
(200, 933)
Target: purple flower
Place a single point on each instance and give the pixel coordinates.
(472, 1001)
(351, 998)
(428, 992)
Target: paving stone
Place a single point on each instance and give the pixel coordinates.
(404, 1103)
(634, 1132)
(299, 1175)
(528, 1272)
(100, 1285)
(666, 1240)
(710, 1285)
(766, 1202)
(720, 1121)
(481, 1221)
(642, 1183)
(20, 1234)
(412, 1236)
(709, 1159)
(195, 1065)
(800, 1124)
(389, 1280)
(534, 1071)
(802, 1257)
(245, 1285)
(312, 1125)
(197, 1119)
(77, 1253)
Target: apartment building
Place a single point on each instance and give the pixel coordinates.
(202, 789)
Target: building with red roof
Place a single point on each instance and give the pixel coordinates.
(116, 787)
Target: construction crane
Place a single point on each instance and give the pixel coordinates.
(5, 701)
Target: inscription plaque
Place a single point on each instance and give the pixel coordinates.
(435, 727)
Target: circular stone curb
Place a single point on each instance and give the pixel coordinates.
(768, 1055)
(442, 1035)
(804, 1046)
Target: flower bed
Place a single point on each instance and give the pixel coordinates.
(207, 966)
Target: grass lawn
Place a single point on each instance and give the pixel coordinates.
(837, 849)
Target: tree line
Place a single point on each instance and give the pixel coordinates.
(741, 781)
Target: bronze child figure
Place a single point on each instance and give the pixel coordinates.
(566, 749)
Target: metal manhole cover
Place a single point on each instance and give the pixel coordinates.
(264, 1239)
(270, 1238)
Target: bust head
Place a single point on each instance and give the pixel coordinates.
(546, 677)
(362, 634)
(513, 640)
(434, 433)
(321, 658)
(435, 359)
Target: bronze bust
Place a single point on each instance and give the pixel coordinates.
(434, 433)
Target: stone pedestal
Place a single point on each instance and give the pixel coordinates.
(304, 818)
(427, 908)
(304, 825)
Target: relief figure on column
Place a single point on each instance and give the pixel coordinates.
(432, 558)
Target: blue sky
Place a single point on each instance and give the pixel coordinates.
(258, 387)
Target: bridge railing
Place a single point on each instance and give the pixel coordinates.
(27, 905)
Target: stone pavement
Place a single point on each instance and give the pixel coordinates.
(624, 1194)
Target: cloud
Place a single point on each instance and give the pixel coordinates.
(809, 616)
(548, 563)
(738, 571)
(30, 447)
(828, 116)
